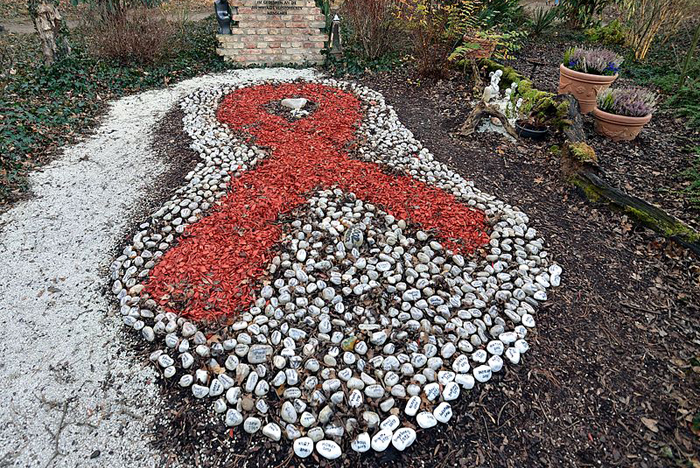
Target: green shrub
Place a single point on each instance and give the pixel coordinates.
(542, 20)
(613, 34)
(582, 13)
(353, 62)
(506, 15)
(685, 103)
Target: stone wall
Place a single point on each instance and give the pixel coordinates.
(267, 32)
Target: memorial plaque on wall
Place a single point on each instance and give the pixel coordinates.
(274, 32)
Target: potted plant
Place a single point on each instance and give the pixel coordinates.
(622, 112)
(584, 73)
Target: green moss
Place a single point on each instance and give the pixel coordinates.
(588, 189)
(525, 88)
(555, 150)
(563, 110)
(582, 152)
(610, 35)
(509, 73)
(668, 229)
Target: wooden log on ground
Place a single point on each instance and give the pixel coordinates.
(579, 164)
(573, 130)
(597, 190)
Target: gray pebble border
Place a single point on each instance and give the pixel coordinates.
(365, 322)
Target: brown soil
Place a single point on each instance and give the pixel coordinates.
(612, 378)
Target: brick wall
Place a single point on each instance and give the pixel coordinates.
(267, 32)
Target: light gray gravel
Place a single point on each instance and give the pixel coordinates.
(68, 386)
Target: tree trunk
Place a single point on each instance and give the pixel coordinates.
(51, 29)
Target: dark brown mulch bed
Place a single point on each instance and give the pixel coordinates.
(610, 379)
(276, 108)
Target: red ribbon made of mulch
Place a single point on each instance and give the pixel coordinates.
(214, 267)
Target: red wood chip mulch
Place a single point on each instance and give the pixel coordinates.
(218, 259)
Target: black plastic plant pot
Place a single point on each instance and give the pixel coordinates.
(532, 133)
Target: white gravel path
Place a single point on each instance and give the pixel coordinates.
(69, 388)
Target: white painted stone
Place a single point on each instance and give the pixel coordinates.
(294, 104)
(451, 391)
(432, 391)
(465, 380)
(522, 346)
(495, 363)
(482, 373)
(413, 405)
(381, 440)
(328, 449)
(355, 399)
(513, 355)
(272, 431)
(426, 420)
(528, 320)
(233, 418)
(361, 443)
(303, 447)
(403, 438)
(391, 423)
(251, 425)
(495, 347)
(443, 412)
(461, 364)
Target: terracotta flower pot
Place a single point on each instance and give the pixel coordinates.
(583, 86)
(618, 127)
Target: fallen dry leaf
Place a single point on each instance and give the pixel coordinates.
(651, 424)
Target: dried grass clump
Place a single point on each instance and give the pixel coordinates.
(373, 26)
(143, 35)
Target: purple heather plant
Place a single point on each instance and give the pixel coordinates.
(630, 102)
(594, 61)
